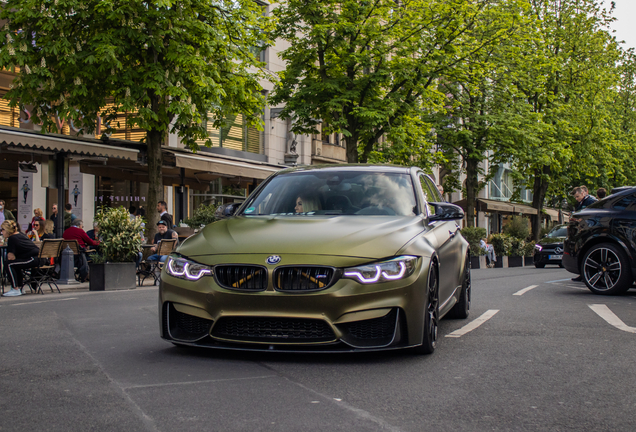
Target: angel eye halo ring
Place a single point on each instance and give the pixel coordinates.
(384, 271)
(183, 268)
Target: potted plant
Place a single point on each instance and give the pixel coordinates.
(203, 215)
(516, 252)
(529, 253)
(502, 244)
(473, 236)
(121, 238)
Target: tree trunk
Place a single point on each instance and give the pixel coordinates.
(155, 181)
(352, 148)
(539, 190)
(472, 184)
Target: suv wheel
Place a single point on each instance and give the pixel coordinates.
(605, 270)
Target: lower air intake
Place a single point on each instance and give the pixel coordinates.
(281, 330)
(182, 326)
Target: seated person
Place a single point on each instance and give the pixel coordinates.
(22, 253)
(307, 202)
(37, 230)
(76, 232)
(49, 227)
(490, 252)
(164, 233)
(94, 233)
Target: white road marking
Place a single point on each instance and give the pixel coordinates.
(604, 312)
(473, 324)
(559, 280)
(525, 290)
(44, 301)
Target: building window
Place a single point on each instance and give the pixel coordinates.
(9, 116)
(235, 134)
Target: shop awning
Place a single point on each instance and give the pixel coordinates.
(226, 167)
(16, 139)
(554, 214)
(525, 209)
(494, 205)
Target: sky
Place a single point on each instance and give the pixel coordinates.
(625, 13)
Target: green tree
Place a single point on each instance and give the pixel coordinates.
(171, 65)
(369, 69)
(564, 70)
(479, 126)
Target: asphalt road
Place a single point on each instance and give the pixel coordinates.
(546, 360)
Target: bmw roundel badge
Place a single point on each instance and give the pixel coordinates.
(274, 259)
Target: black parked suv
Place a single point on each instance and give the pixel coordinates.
(549, 250)
(601, 243)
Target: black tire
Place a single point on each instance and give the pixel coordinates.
(605, 270)
(462, 308)
(561, 265)
(537, 265)
(431, 313)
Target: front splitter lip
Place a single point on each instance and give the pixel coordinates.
(312, 349)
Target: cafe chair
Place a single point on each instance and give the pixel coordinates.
(152, 269)
(43, 274)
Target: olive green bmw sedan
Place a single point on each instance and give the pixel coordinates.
(328, 258)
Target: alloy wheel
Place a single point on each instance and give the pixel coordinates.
(602, 269)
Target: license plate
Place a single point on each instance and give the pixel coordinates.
(555, 257)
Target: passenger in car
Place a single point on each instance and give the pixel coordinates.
(307, 202)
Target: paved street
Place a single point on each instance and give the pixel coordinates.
(546, 359)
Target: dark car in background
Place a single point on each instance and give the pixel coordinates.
(601, 243)
(549, 250)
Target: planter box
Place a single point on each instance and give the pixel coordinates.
(502, 262)
(478, 262)
(112, 276)
(528, 261)
(515, 261)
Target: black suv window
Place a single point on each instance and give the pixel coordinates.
(626, 203)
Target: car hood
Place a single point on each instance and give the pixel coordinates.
(356, 236)
(551, 240)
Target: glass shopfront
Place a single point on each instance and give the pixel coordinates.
(111, 192)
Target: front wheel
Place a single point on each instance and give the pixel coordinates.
(431, 313)
(605, 270)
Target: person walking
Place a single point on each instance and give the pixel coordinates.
(22, 254)
(582, 198)
(4, 213)
(69, 217)
(53, 217)
(162, 208)
(601, 193)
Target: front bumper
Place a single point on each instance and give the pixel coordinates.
(546, 258)
(348, 316)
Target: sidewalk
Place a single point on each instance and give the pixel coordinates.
(70, 288)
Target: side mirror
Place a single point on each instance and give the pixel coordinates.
(445, 212)
(226, 210)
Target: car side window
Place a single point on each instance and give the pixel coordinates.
(429, 195)
(626, 203)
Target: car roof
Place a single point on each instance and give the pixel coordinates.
(350, 167)
(621, 189)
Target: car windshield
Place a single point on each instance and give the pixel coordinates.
(331, 192)
(560, 231)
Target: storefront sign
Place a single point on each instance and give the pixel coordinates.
(25, 199)
(75, 190)
(120, 198)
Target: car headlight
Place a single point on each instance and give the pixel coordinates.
(538, 247)
(185, 269)
(384, 271)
